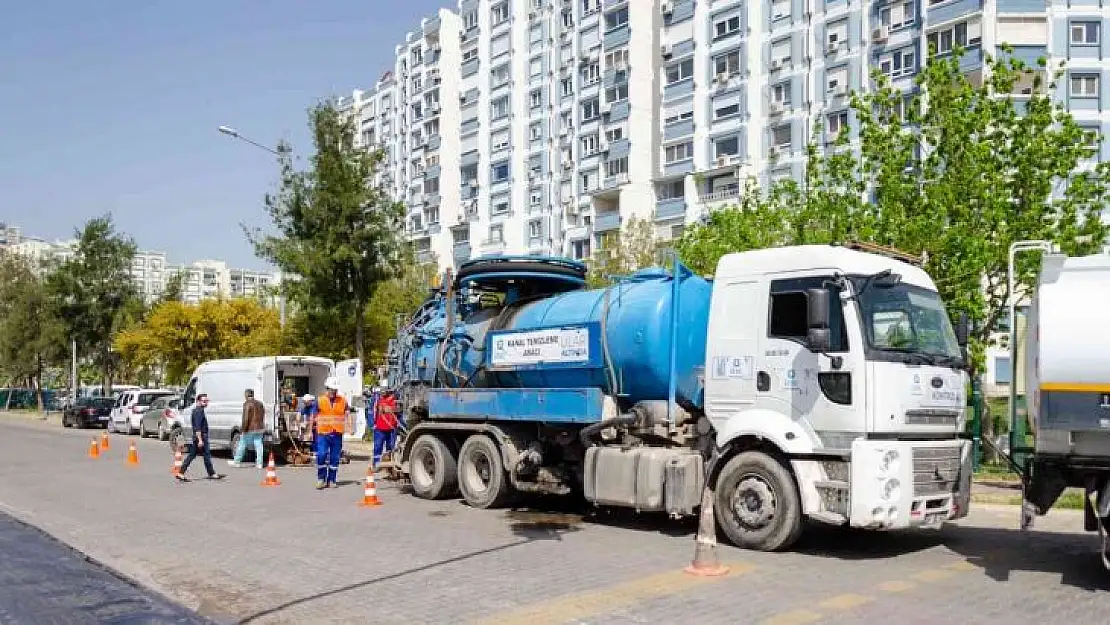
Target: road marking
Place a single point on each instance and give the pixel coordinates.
(588, 604)
(793, 617)
(896, 585)
(845, 602)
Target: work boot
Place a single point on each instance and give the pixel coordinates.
(321, 484)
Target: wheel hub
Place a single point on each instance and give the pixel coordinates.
(754, 502)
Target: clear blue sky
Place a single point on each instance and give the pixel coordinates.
(113, 106)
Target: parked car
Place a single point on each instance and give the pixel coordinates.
(161, 418)
(130, 406)
(88, 412)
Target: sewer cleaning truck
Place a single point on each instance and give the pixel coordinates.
(806, 382)
(1067, 356)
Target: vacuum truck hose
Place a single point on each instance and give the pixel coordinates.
(588, 432)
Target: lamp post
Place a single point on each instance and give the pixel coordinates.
(235, 134)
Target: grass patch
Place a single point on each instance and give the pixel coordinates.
(1072, 500)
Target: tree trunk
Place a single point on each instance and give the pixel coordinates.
(360, 328)
(106, 371)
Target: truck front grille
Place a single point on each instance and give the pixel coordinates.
(936, 470)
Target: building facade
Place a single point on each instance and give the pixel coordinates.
(542, 126)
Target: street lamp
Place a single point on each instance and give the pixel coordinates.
(231, 132)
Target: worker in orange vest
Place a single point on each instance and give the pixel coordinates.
(331, 418)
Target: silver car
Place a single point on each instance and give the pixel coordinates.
(160, 419)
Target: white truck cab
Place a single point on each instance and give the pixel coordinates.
(847, 363)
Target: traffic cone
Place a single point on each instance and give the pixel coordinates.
(104, 442)
(178, 460)
(370, 493)
(705, 563)
(94, 450)
(132, 455)
(271, 473)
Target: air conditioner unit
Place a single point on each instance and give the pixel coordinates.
(605, 108)
(666, 8)
(603, 146)
(563, 131)
(666, 49)
(568, 164)
(533, 15)
(722, 78)
(838, 90)
(733, 159)
(879, 34)
(776, 151)
(474, 183)
(434, 107)
(776, 64)
(833, 46)
(777, 108)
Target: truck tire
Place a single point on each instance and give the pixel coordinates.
(482, 478)
(433, 469)
(757, 503)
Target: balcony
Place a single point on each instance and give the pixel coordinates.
(607, 221)
(721, 194)
(669, 208)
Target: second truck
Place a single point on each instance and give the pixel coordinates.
(819, 382)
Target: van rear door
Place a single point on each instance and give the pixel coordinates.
(269, 395)
(349, 375)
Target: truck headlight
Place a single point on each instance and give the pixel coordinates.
(889, 462)
(892, 490)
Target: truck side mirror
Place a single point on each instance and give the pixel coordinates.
(963, 329)
(817, 319)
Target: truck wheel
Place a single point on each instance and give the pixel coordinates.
(757, 503)
(433, 469)
(482, 477)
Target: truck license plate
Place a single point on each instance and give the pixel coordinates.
(935, 518)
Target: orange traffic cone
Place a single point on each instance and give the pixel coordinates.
(271, 473)
(132, 456)
(178, 460)
(104, 442)
(94, 450)
(370, 493)
(705, 563)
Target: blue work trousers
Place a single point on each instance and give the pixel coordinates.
(384, 440)
(328, 449)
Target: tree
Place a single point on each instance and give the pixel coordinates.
(93, 292)
(957, 173)
(622, 252)
(31, 337)
(338, 231)
(178, 337)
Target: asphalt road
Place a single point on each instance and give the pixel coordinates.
(235, 551)
(45, 581)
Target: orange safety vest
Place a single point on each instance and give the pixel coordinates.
(332, 417)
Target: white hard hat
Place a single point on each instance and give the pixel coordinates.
(331, 383)
(307, 397)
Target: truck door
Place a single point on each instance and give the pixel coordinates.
(270, 394)
(349, 375)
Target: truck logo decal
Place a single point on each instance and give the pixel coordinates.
(1104, 401)
(937, 382)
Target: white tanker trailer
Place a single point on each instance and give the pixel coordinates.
(1068, 386)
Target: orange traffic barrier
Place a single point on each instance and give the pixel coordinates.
(94, 450)
(132, 455)
(104, 442)
(178, 460)
(370, 493)
(271, 473)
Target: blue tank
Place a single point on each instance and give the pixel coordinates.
(616, 338)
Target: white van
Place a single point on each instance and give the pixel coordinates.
(278, 382)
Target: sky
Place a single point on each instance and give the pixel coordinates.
(113, 107)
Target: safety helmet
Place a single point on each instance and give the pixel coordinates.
(307, 397)
(331, 384)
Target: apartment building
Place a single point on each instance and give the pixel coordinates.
(9, 235)
(148, 272)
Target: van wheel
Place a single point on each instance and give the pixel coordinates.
(482, 477)
(757, 503)
(433, 468)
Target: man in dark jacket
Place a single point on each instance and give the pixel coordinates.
(200, 441)
(251, 429)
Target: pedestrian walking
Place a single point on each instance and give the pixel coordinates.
(331, 418)
(386, 421)
(251, 429)
(199, 421)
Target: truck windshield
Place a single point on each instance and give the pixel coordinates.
(906, 319)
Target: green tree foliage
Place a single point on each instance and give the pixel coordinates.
(93, 293)
(624, 251)
(31, 337)
(177, 337)
(337, 231)
(957, 181)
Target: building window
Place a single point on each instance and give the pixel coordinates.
(1002, 373)
(499, 108)
(673, 190)
(617, 59)
(780, 9)
(780, 93)
(469, 55)
(727, 63)
(680, 71)
(591, 74)
(536, 131)
(499, 14)
(1085, 33)
(679, 152)
(726, 110)
(780, 136)
(496, 234)
(616, 93)
(470, 20)
(460, 236)
(535, 229)
(616, 19)
(590, 109)
(729, 146)
(726, 27)
(837, 123)
(589, 144)
(567, 87)
(898, 64)
(535, 99)
(679, 117)
(617, 167)
(589, 6)
(500, 172)
(580, 249)
(614, 134)
(897, 15)
(961, 35)
(1084, 85)
(535, 198)
(500, 207)
(499, 75)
